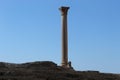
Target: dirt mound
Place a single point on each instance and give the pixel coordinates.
(46, 70)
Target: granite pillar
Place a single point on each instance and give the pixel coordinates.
(64, 11)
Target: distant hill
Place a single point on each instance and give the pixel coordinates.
(46, 70)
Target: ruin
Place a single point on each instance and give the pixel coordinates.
(47, 70)
(64, 11)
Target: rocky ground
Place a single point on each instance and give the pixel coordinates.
(47, 70)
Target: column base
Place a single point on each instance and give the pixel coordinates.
(68, 65)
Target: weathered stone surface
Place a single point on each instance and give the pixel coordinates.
(47, 70)
(64, 11)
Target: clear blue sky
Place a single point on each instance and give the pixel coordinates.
(30, 30)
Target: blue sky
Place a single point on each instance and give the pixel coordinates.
(30, 30)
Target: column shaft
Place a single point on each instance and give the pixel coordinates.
(64, 37)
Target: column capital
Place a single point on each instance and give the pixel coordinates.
(64, 10)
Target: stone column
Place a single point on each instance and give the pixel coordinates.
(64, 11)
